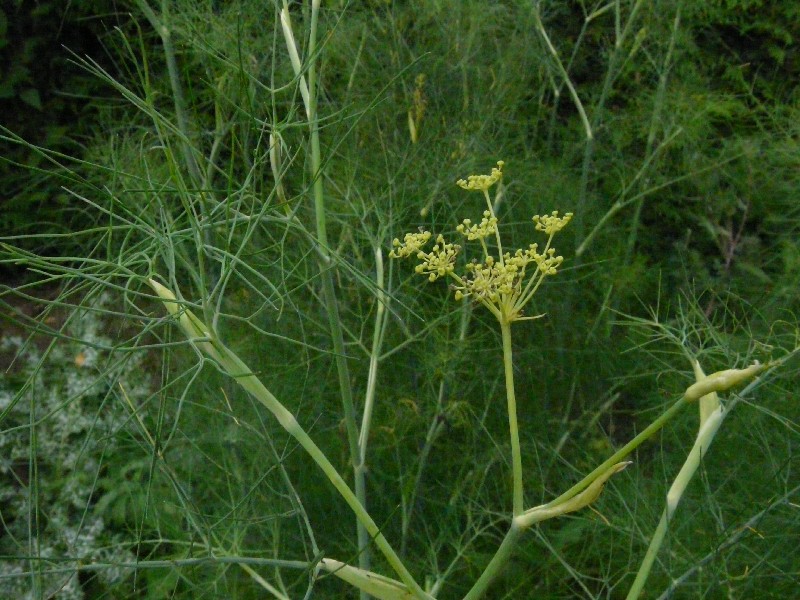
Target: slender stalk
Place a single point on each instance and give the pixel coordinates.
(369, 402)
(186, 138)
(329, 293)
(294, 56)
(592, 125)
(178, 100)
(200, 561)
(34, 521)
(374, 356)
(587, 127)
(200, 335)
(516, 452)
(490, 204)
(499, 560)
(623, 201)
(704, 438)
(649, 558)
(619, 455)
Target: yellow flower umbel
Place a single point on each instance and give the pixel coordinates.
(504, 283)
(501, 281)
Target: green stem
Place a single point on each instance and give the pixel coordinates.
(704, 438)
(164, 33)
(516, 453)
(500, 558)
(329, 293)
(539, 513)
(597, 115)
(325, 258)
(202, 338)
(649, 558)
(237, 369)
(374, 357)
(619, 455)
(563, 72)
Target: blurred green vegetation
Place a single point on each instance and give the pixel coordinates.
(49, 102)
(686, 216)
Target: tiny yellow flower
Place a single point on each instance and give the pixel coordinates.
(549, 264)
(521, 258)
(489, 281)
(411, 245)
(487, 227)
(552, 223)
(440, 261)
(481, 183)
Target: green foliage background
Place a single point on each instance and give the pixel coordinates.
(48, 101)
(685, 237)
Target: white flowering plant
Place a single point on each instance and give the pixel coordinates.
(60, 420)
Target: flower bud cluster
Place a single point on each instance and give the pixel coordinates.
(552, 223)
(482, 183)
(440, 261)
(411, 245)
(487, 227)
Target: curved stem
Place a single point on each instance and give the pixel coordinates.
(619, 455)
(563, 72)
(206, 341)
(500, 558)
(237, 369)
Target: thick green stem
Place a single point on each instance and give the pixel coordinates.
(244, 376)
(499, 560)
(516, 452)
(649, 558)
(203, 339)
